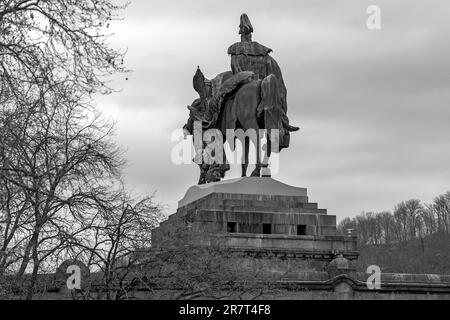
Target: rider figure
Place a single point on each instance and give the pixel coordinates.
(249, 55)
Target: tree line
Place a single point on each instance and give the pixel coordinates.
(410, 219)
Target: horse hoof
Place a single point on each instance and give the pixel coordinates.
(256, 174)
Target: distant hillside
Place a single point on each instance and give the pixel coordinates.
(410, 256)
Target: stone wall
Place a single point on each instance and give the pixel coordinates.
(313, 285)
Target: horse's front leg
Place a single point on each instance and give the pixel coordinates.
(202, 179)
(265, 172)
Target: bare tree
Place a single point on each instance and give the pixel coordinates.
(409, 213)
(57, 162)
(117, 231)
(53, 42)
(401, 219)
(441, 208)
(179, 269)
(57, 158)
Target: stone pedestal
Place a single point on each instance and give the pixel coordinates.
(258, 217)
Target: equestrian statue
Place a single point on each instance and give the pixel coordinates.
(250, 96)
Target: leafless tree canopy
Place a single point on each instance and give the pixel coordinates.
(48, 42)
(61, 190)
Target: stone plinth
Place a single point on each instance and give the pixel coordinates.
(247, 186)
(257, 216)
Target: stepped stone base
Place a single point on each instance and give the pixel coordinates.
(257, 217)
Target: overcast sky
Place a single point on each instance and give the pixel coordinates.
(373, 105)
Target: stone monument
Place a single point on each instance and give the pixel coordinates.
(257, 215)
(251, 222)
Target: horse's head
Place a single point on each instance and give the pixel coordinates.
(203, 87)
(196, 113)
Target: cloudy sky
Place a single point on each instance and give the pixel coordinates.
(373, 105)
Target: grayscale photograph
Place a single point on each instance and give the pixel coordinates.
(224, 159)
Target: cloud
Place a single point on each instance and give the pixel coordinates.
(373, 105)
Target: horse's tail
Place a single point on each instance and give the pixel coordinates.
(270, 109)
(270, 112)
(269, 95)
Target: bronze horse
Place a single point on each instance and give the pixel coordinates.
(237, 102)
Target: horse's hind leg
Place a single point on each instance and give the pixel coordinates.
(246, 149)
(257, 171)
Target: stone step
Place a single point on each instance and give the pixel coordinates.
(219, 200)
(255, 205)
(277, 210)
(228, 203)
(255, 217)
(245, 188)
(279, 206)
(269, 204)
